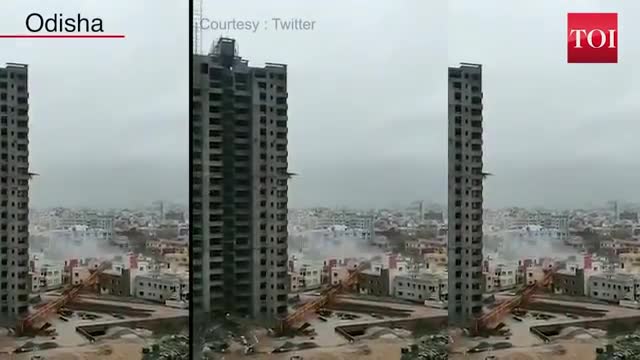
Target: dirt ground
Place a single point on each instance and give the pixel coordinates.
(107, 350)
(557, 351)
(362, 350)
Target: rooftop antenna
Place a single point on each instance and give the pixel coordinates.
(197, 27)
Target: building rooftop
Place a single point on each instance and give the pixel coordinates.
(424, 276)
(164, 276)
(615, 276)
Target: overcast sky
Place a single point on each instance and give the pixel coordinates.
(367, 95)
(367, 98)
(109, 118)
(556, 134)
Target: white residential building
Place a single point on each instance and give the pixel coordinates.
(311, 276)
(420, 287)
(161, 286)
(51, 276)
(614, 287)
(501, 277)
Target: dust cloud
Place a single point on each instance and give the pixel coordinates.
(514, 246)
(318, 245)
(60, 245)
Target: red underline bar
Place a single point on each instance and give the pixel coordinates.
(58, 36)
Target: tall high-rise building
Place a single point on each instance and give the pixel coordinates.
(239, 185)
(465, 194)
(14, 190)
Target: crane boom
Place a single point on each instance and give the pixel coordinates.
(493, 318)
(68, 294)
(325, 297)
(197, 27)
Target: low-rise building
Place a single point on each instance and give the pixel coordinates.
(183, 233)
(161, 286)
(51, 276)
(338, 274)
(79, 274)
(34, 281)
(569, 281)
(533, 274)
(424, 246)
(295, 282)
(630, 262)
(436, 262)
(619, 246)
(115, 282)
(310, 276)
(374, 282)
(420, 287)
(178, 260)
(614, 287)
(501, 277)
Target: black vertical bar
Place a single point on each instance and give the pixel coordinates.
(190, 74)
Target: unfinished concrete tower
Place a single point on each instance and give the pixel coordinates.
(14, 191)
(465, 194)
(239, 185)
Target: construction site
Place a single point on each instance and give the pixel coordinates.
(345, 327)
(531, 322)
(331, 322)
(545, 328)
(78, 320)
(547, 307)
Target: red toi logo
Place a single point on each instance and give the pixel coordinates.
(592, 38)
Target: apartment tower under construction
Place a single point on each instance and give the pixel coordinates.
(239, 186)
(14, 191)
(465, 194)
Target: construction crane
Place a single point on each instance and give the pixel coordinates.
(197, 27)
(28, 324)
(326, 296)
(493, 318)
